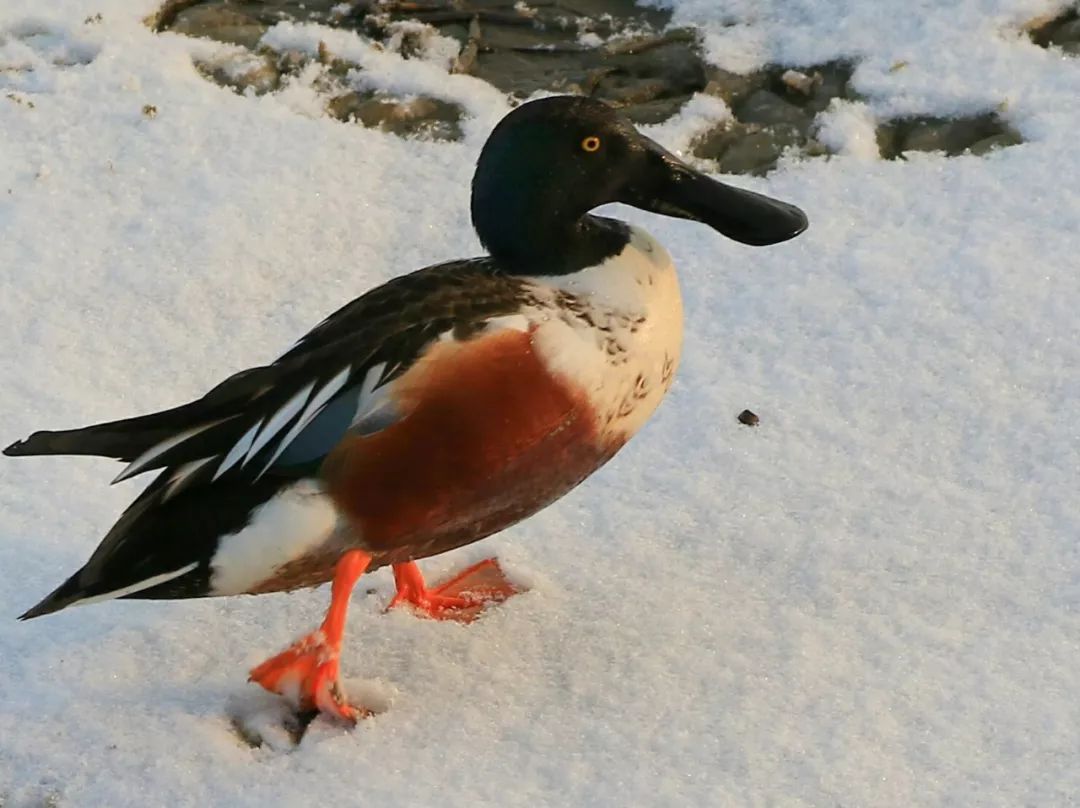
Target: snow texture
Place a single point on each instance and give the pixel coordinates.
(871, 599)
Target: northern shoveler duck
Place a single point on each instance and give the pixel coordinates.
(432, 411)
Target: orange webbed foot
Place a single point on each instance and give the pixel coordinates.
(307, 674)
(461, 598)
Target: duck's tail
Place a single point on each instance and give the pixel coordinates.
(122, 440)
(129, 438)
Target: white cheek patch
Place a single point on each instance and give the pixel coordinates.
(298, 520)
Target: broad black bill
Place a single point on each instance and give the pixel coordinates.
(668, 186)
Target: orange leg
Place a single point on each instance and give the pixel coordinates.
(307, 672)
(461, 598)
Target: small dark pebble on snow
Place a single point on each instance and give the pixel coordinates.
(748, 418)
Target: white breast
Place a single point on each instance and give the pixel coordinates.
(614, 331)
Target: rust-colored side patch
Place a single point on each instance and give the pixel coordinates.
(490, 438)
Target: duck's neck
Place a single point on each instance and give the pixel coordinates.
(525, 243)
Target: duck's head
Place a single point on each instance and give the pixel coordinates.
(549, 162)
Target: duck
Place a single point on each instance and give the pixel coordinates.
(431, 412)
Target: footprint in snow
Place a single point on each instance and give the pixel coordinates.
(33, 54)
(265, 721)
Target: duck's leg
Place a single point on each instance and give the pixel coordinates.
(307, 672)
(461, 598)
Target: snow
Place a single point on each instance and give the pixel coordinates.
(872, 598)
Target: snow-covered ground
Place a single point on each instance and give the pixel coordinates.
(871, 599)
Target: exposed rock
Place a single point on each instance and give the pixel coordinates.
(713, 144)
(1066, 33)
(740, 148)
(799, 82)
(832, 80)
(1062, 31)
(995, 142)
(748, 418)
(418, 117)
(609, 49)
(655, 111)
(952, 136)
(258, 74)
(734, 88)
(221, 23)
(765, 107)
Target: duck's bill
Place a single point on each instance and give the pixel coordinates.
(673, 188)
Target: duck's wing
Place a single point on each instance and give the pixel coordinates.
(277, 418)
(261, 433)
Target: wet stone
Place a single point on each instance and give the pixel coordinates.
(759, 152)
(765, 107)
(674, 62)
(1068, 32)
(259, 75)
(220, 23)
(831, 80)
(748, 418)
(733, 88)
(613, 49)
(1059, 32)
(740, 148)
(774, 112)
(995, 142)
(429, 118)
(655, 111)
(713, 144)
(951, 136)
(798, 82)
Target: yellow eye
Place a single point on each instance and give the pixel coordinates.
(591, 144)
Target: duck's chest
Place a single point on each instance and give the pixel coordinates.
(613, 333)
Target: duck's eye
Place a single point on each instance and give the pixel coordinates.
(591, 144)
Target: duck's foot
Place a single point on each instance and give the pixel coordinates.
(461, 598)
(307, 675)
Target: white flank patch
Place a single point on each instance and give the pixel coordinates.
(626, 366)
(296, 521)
(138, 587)
(158, 449)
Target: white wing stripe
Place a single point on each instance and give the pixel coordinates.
(368, 403)
(314, 407)
(137, 587)
(371, 381)
(158, 449)
(278, 421)
(238, 451)
(183, 473)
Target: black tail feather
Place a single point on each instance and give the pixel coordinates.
(128, 438)
(63, 596)
(88, 441)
